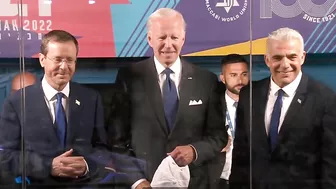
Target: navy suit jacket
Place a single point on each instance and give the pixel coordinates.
(306, 150)
(85, 129)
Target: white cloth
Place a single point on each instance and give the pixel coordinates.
(169, 174)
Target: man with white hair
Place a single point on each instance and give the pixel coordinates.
(292, 137)
(175, 107)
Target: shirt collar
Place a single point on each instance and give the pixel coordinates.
(229, 101)
(175, 67)
(50, 92)
(289, 89)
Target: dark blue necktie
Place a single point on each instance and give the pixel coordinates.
(275, 120)
(60, 120)
(170, 99)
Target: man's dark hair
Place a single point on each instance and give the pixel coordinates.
(233, 58)
(57, 36)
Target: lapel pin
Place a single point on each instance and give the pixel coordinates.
(77, 102)
(189, 77)
(299, 101)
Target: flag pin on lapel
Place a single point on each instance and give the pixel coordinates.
(299, 101)
(77, 102)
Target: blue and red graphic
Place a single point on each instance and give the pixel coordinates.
(117, 28)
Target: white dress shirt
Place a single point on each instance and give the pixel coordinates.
(232, 112)
(50, 98)
(176, 67)
(289, 93)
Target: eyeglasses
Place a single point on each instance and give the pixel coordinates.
(59, 61)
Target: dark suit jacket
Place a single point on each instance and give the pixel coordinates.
(215, 169)
(305, 155)
(85, 129)
(198, 125)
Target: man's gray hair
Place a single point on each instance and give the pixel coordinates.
(285, 34)
(165, 12)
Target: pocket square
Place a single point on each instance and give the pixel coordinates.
(194, 102)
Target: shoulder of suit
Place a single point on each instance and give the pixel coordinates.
(200, 71)
(82, 88)
(29, 92)
(141, 63)
(319, 88)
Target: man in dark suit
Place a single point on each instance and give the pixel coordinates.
(234, 76)
(175, 107)
(292, 136)
(60, 122)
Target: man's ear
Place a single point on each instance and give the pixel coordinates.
(42, 59)
(267, 61)
(149, 39)
(221, 76)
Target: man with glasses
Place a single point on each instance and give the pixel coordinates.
(63, 121)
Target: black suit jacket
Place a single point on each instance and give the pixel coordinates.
(216, 167)
(306, 151)
(85, 130)
(198, 125)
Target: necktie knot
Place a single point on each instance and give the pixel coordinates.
(168, 71)
(59, 96)
(280, 93)
(235, 104)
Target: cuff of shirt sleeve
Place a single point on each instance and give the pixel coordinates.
(137, 183)
(196, 154)
(87, 168)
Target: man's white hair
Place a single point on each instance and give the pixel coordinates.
(285, 34)
(164, 13)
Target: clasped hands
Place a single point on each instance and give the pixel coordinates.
(68, 166)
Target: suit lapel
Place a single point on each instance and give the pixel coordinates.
(185, 90)
(260, 96)
(154, 92)
(74, 107)
(41, 104)
(295, 106)
(223, 100)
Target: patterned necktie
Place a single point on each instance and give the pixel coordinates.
(275, 120)
(60, 120)
(170, 99)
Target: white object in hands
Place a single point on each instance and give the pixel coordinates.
(169, 174)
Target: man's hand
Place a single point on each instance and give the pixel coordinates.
(69, 166)
(183, 155)
(143, 185)
(228, 145)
